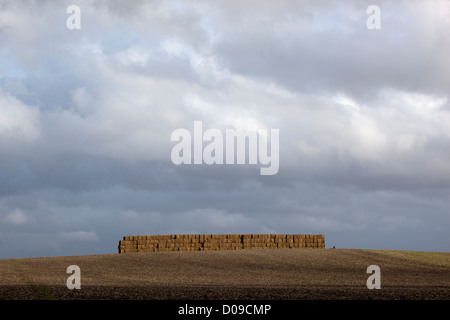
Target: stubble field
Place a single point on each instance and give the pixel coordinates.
(278, 274)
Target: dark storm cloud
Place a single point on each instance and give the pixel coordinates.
(330, 49)
(86, 118)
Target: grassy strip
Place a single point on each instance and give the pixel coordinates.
(41, 291)
(441, 259)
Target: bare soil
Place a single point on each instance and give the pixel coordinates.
(273, 274)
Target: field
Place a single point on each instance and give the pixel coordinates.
(280, 274)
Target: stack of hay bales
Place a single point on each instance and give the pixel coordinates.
(200, 242)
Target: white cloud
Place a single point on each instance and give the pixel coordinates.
(133, 56)
(16, 217)
(18, 122)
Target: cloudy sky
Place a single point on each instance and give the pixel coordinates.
(86, 118)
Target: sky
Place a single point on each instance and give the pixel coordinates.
(86, 117)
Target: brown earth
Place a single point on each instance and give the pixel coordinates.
(280, 274)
